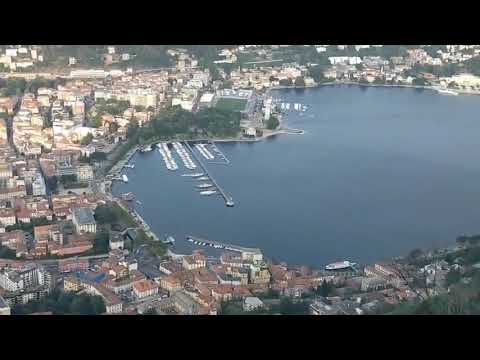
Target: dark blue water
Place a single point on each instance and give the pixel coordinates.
(379, 171)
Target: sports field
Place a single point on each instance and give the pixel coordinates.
(231, 104)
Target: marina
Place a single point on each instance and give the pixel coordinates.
(219, 245)
(285, 106)
(228, 199)
(167, 156)
(187, 161)
(220, 155)
(204, 151)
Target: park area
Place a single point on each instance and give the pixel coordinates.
(231, 104)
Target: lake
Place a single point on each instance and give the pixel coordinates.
(378, 172)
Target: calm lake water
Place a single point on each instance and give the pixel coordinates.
(379, 171)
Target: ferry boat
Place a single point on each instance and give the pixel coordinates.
(208, 192)
(125, 178)
(204, 186)
(446, 91)
(341, 265)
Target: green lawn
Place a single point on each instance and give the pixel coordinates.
(231, 104)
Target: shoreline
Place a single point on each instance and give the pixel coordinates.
(333, 83)
(118, 167)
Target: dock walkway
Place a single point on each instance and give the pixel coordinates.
(228, 199)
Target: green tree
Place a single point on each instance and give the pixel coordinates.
(87, 139)
(113, 127)
(418, 82)
(151, 311)
(67, 179)
(95, 121)
(288, 307)
(272, 123)
(286, 82)
(325, 289)
(316, 72)
(6, 253)
(105, 214)
(453, 277)
(227, 84)
(300, 81)
(415, 254)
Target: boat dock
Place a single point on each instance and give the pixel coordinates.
(228, 199)
(220, 245)
(220, 155)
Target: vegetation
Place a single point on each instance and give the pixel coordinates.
(65, 179)
(286, 82)
(325, 289)
(151, 311)
(28, 227)
(176, 122)
(101, 243)
(111, 106)
(12, 86)
(453, 277)
(231, 104)
(112, 213)
(87, 139)
(96, 156)
(18, 86)
(419, 82)
(6, 253)
(156, 248)
(272, 123)
(226, 84)
(63, 303)
(285, 307)
(316, 72)
(300, 81)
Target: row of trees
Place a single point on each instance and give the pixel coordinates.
(63, 303)
(176, 122)
(18, 86)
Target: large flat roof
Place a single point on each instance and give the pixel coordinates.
(84, 215)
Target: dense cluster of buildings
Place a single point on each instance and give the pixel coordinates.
(21, 57)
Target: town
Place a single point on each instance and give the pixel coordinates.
(66, 131)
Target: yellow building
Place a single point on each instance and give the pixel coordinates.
(71, 284)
